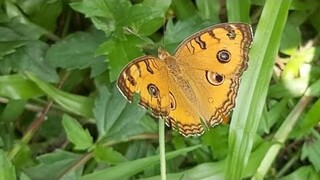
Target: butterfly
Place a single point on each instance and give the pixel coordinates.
(195, 88)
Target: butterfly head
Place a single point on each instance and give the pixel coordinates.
(163, 54)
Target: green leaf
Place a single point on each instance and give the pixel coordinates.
(6, 48)
(118, 120)
(306, 5)
(101, 8)
(46, 130)
(81, 138)
(120, 53)
(218, 147)
(291, 39)
(77, 51)
(7, 170)
(12, 111)
(99, 111)
(139, 149)
(30, 58)
(147, 17)
(42, 12)
(16, 30)
(179, 142)
(53, 165)
(77, 104)
(23, 176)
(315, 20)
(311, 150)
(149, 124)
(126, 124)
(24, 157)
(314, 89)
(176, 33)
(304, 172)
(127, 169)
(160, 6)
(277, 112)
(107, 16)
(108, 155)
(143, 20)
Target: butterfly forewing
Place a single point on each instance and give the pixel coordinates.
(145, 76)
(223, 48)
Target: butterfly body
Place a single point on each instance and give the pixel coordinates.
(176, 73)
(197, 86)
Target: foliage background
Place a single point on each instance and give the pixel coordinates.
(61, 116)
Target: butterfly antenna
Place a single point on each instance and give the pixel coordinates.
(148, 41)
(164, 30)
(164, 34)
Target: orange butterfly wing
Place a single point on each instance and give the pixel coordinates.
(213, 61)
(199, 82)
(144, 76)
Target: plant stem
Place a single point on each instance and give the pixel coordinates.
(281, 136)
(35, 125)
(162, 149)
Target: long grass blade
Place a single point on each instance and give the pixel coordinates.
(254, 86)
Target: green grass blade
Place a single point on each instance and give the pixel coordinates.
(238, 10)
(127, 169)
(77, 104)
(18, 87)
(215, 170)
(254, 86)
